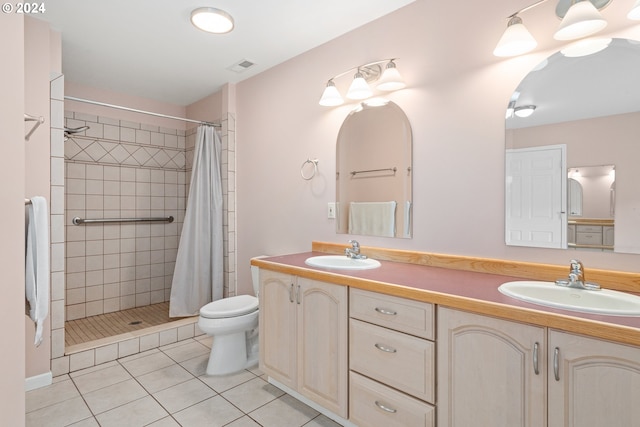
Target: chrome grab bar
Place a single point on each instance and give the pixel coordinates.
(393, 169)
(79, 221)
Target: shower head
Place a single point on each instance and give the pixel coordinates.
(72, 131)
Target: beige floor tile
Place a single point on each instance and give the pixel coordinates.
(47, 396)
(182, 351)
(284, 412)
(114, 395)
(164, 378)
(197, 366)
(213, 412)
(89, 422)
(165, 422)
(60, 414)
(322, 421)
(143, 365)
(98, 379)
(183, 395)
(223, 383)
(245, 421)
(134, 414)
(252, 394)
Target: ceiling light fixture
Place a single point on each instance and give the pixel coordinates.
(388, 80)
(580, 18)
(212, 20)
(634, 13)
(524, 111)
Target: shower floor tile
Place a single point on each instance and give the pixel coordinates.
(120, 322)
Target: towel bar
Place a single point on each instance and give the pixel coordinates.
(79, 221)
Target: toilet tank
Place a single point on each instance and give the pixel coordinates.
(255, 279)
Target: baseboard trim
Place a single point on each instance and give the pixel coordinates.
(38, 381)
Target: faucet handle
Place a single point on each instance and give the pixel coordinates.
(576, 266)
(355, 244)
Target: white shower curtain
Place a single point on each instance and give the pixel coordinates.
(198, 275)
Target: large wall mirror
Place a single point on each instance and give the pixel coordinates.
(573, 152)
(373, 172)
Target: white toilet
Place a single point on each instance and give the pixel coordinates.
(233, 324)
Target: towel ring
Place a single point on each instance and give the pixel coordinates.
(313, 172)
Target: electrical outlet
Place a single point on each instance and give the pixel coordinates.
(331, 210)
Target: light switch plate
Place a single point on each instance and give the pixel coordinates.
(331, 210)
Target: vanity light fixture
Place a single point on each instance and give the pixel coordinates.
(388, 80)
(634, 13)
(524, 111)
(212, 20)
(585, 47)
(515, 40)
(580, 18)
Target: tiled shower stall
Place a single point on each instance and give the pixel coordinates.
(122, 169)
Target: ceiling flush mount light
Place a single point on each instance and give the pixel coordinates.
(360, 88)
(582, 19)
(515, 40)
(212, 20)
(524, 111)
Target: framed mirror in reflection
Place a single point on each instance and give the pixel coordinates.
(588, 106)
(373, 172)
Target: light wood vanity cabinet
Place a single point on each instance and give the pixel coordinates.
(392, 361)
(303, 327)
(487, 376)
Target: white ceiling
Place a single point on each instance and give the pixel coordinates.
(149, 48)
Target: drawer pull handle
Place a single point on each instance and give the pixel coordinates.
(385, 311)
(385, 348)
(291, 293)
(385, 408)
(556, 363)
(536, 370)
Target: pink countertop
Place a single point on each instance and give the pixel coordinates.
(468, 290)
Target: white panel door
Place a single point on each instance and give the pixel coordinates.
(536, 197)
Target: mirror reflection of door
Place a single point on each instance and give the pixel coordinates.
(575, 197)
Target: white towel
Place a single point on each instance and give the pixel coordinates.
(37, 264)
(372, 218)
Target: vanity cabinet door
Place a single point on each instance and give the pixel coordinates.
(322, 344)
(486, 371)
(592, 383)
(277, 326)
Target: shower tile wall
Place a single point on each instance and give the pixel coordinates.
(120, 169)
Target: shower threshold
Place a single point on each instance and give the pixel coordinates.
(104, 329)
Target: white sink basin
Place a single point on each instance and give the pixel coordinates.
(549, 294)
(342, 262)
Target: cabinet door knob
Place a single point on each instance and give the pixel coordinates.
(385, 311)
(385, 408)
(384, 348)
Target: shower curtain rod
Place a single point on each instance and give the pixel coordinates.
(119, 107)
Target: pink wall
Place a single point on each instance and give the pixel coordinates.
(37, 44)
(12, 175)
(455, 100)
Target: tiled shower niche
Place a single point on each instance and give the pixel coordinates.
(121, 169)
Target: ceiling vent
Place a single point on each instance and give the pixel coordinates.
(241, 66)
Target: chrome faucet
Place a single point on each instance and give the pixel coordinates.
(576, 278)
(354, 250)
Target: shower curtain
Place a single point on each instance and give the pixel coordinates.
(198, 275)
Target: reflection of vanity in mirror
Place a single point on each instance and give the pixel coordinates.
(373, 172)
(587, 115)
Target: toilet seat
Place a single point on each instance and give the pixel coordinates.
(230, 307)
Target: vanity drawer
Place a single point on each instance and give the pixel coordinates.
(399, 360)
(589, 228)
(589, 238)
(400, 314)
(373, 404)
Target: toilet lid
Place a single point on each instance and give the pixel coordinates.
(230, 307)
